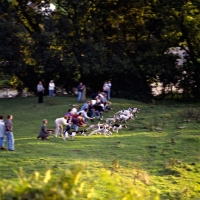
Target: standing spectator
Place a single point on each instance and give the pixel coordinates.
(109, 84)
(2, 132)
(80, 91)
(59, 122)
(105, 87)
(51, 88)
(83, 96)
(9, 133)
(44, 134)
(40, 91)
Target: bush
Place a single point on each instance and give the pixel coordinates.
(72, 185)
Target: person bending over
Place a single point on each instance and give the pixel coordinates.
(59, 122)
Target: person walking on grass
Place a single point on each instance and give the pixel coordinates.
(9, 133)
(2, 132)
(44, 133)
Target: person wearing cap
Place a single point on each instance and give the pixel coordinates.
(44, 134)
(59, 122)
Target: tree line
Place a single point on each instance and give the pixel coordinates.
(96, 40)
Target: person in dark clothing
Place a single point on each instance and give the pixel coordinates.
(98, 109)
(40, 91)
(75, 123)
(80, 91)
(94, 95)
(9, 133)
(44, 134)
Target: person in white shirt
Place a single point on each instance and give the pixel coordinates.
(2, 132)
(59, 122)
(51, 88)
(74, 110)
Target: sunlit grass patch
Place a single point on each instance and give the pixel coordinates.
(139, 154)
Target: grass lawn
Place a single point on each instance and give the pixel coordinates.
(167, 160)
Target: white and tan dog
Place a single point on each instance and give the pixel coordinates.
(111, 120)
(117, 127)
(73, 134)
(105, 129)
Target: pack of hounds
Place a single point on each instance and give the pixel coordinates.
(111, 125)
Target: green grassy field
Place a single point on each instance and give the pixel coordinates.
(167, 160)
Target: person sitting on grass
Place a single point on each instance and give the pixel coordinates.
(85, 115)
(44, 133)
(85, 105)
(74, 110)
(81, 120)
(78, 122)
(98, 111)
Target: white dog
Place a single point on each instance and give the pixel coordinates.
(96, 126)
(116, 127)
(104, 130)
(111, 120)
(73, 134)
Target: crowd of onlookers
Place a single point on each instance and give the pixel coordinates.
(74, 118)
(77, 116)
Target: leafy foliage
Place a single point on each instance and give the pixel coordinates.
(93, 41)
(71, 185)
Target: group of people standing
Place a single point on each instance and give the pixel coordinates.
(41, 89)
(6, 131)
(82, 90)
